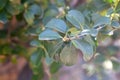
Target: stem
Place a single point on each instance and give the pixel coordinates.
(79, 36)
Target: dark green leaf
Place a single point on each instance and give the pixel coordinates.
(38, 72)
(57, 24)
(2, 4)
(56, 49)
(3, 17)
(76, 18)
(49, 35)
(54, 67)
(102, 21)
(115, 24)
(85, 47)
(14, 9)
(36, 57)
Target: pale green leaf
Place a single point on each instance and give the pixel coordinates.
(69, 55)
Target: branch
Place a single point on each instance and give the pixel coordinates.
(80, 36)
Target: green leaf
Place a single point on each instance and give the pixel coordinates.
(2, 4)
(110, 11)
(54, 67)
(35, 43)
(56, 49)
(29, 17)
(85, 47)
(115, 24)
(49, 35)
(76, 18)
(49, 60)
(14, 9)
(38, 72)
(89, 40)
(35, 9)
(3, 17)
(57, 24)
(109, 1)
(36, 57)
(118, 7)
(69, 55)
(101, 21)
(94, 32)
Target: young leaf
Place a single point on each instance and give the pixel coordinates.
(85, 47)
(76, 18)
(57, 24)
(49, 35)
(69, 55)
